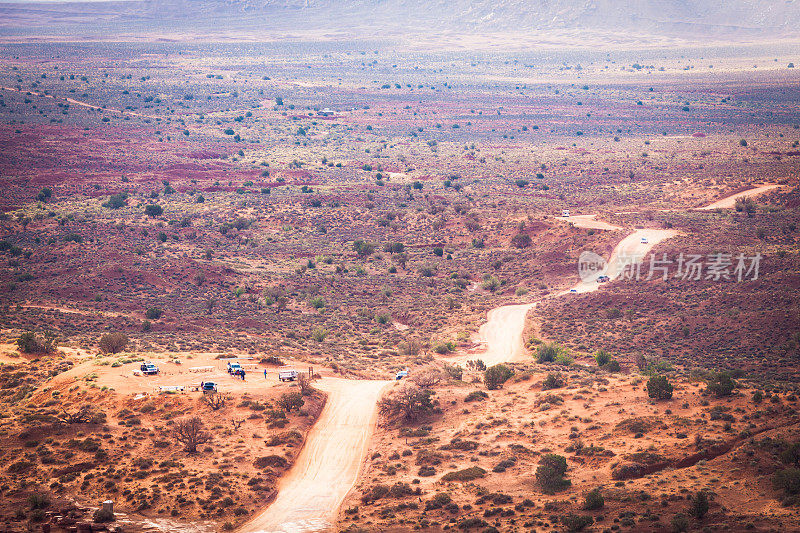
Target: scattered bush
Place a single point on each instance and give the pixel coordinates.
(29, 342)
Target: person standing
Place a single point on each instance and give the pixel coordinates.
(265, 373)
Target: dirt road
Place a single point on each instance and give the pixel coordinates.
(310, 495)
(590, 222)
(328, 466)
(632, 248)
(502, 335)
(730, 201)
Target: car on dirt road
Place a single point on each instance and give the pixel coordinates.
(287, 374)
(207, 387)
(643, 240)
(400, 375)
(149, 369)
(234, 368)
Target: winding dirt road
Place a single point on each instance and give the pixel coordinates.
(730, 201)
(310, 495)
(634, 247)
(589, 222)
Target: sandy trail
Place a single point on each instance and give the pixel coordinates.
(310, 495)
(730, 201)
(590, 222)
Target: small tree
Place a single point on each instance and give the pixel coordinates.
(550, 473)
(407, 402)
(496, 375)
(304, 381)
(153, 313)
(153, 210)
(291, 400)
(29, 342)
(699, 505)
(215, 400)
(426, 377)
(602, 357)
(721, 383)
(554, 380)
(548, 352)
(659, 387)
(594, 500)
(191, 433)
(113, 342)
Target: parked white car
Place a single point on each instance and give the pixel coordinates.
(287, 374)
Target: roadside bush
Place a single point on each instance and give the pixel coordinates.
(548, 352)
(659, 387)
(550, 473)
(291, 400)
(153, 313)
(113, 342)
(594, 500)
(495, 376)
(407, 402)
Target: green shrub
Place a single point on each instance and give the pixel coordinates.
(721, 383)
(153, 313)
(659, 387)
(113, 342)
(550, 473)
(602, 358)
(787, 480)
(554, 380)
(476, 396)
(153, 210)
(467, 474)
(574, 522)
(547, 352)
(29, 342)
(699, 505)
(495, 376)
(594, 500)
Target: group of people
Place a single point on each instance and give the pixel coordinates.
(238, 373)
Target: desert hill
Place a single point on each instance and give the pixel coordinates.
(693, 19)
